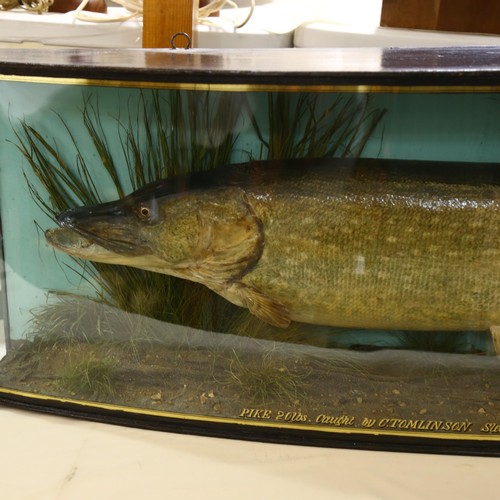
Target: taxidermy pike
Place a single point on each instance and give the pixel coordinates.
(352, 243)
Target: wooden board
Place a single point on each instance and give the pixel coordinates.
(470, 16)
(166, 18)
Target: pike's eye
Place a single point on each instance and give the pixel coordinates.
(144, 213)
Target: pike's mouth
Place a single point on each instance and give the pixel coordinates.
(111, 239)
(110, 229)
(72, 243)
(65, 239)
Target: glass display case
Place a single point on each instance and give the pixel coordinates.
(294, 246)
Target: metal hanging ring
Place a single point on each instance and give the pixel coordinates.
(180, 33)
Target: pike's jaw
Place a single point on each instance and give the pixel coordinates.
(77, 245)
(109, 226)
(116, 239)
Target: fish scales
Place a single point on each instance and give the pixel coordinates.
(354, 243)
(406, 256)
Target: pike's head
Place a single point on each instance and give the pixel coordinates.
(204, 235)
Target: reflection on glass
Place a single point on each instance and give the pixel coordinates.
(321, 260)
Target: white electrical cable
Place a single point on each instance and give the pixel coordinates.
(135, 8)
(216, 5)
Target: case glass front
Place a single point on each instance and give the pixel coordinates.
(323, 263)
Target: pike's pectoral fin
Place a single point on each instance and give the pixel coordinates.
(266, 308)
(259, 304)
(495, 336)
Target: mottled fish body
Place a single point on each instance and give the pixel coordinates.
(354, 243)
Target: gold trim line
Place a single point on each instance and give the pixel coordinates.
(247, 422)
(223, 87)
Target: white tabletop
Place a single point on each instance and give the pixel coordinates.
(50, 457)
